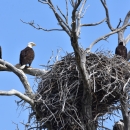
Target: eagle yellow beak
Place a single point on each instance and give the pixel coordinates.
(33, 44)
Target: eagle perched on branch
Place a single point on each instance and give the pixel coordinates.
(27, 55)
(121, 50)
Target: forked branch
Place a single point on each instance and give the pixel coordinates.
(20, 74)
(61, 22)
(78, 17)
(107, 35)
(121, 33)
(38, 27)
(107, 14)
(127, 18)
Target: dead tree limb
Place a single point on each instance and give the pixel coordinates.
(18, 94)
(121, 33)
(107, 35)
(61, 22)
(20, 74)
(107, 14)
(93, 24)
(119, 23)
(125, 107)
(80, 56)
(29, 71)
(125, 112)
(67, 13)
(38, 27)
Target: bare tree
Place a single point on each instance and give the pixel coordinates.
(51, 107)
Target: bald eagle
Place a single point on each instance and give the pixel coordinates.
(27, 55)
(121, 50)
(119, 125)
(0, 52)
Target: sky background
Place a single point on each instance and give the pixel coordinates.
(14, 36)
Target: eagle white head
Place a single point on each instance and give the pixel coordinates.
(31, 44)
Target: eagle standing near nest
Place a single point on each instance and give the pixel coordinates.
(27, 55)
(121, 50)
(0, 52)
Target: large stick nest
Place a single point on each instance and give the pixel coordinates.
(60, 91)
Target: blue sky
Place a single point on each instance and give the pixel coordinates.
(14, 36)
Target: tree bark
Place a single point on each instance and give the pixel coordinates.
(29, 71)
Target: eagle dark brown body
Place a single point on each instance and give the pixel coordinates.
(121, 50)
(0, 52)
(26, 56)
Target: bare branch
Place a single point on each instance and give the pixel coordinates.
(72, 3)
(125, 112)
(83, 13)
(82, 7)
(74, 37)
(125, 85)
(80, 57)
(79, 17)
(121, 33)
(40, 28)
(120, 37)
(107, 35)
(16, 125)
(94, 24)
(74, 17)
(30, 71)
(61, 13)
(127, 18)
(127, 39)
(107, 15)
(119, 23)
(43, 1)
(20, 74)
(65, 17)
(67, 11)
(18, 94)
(62, 23)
